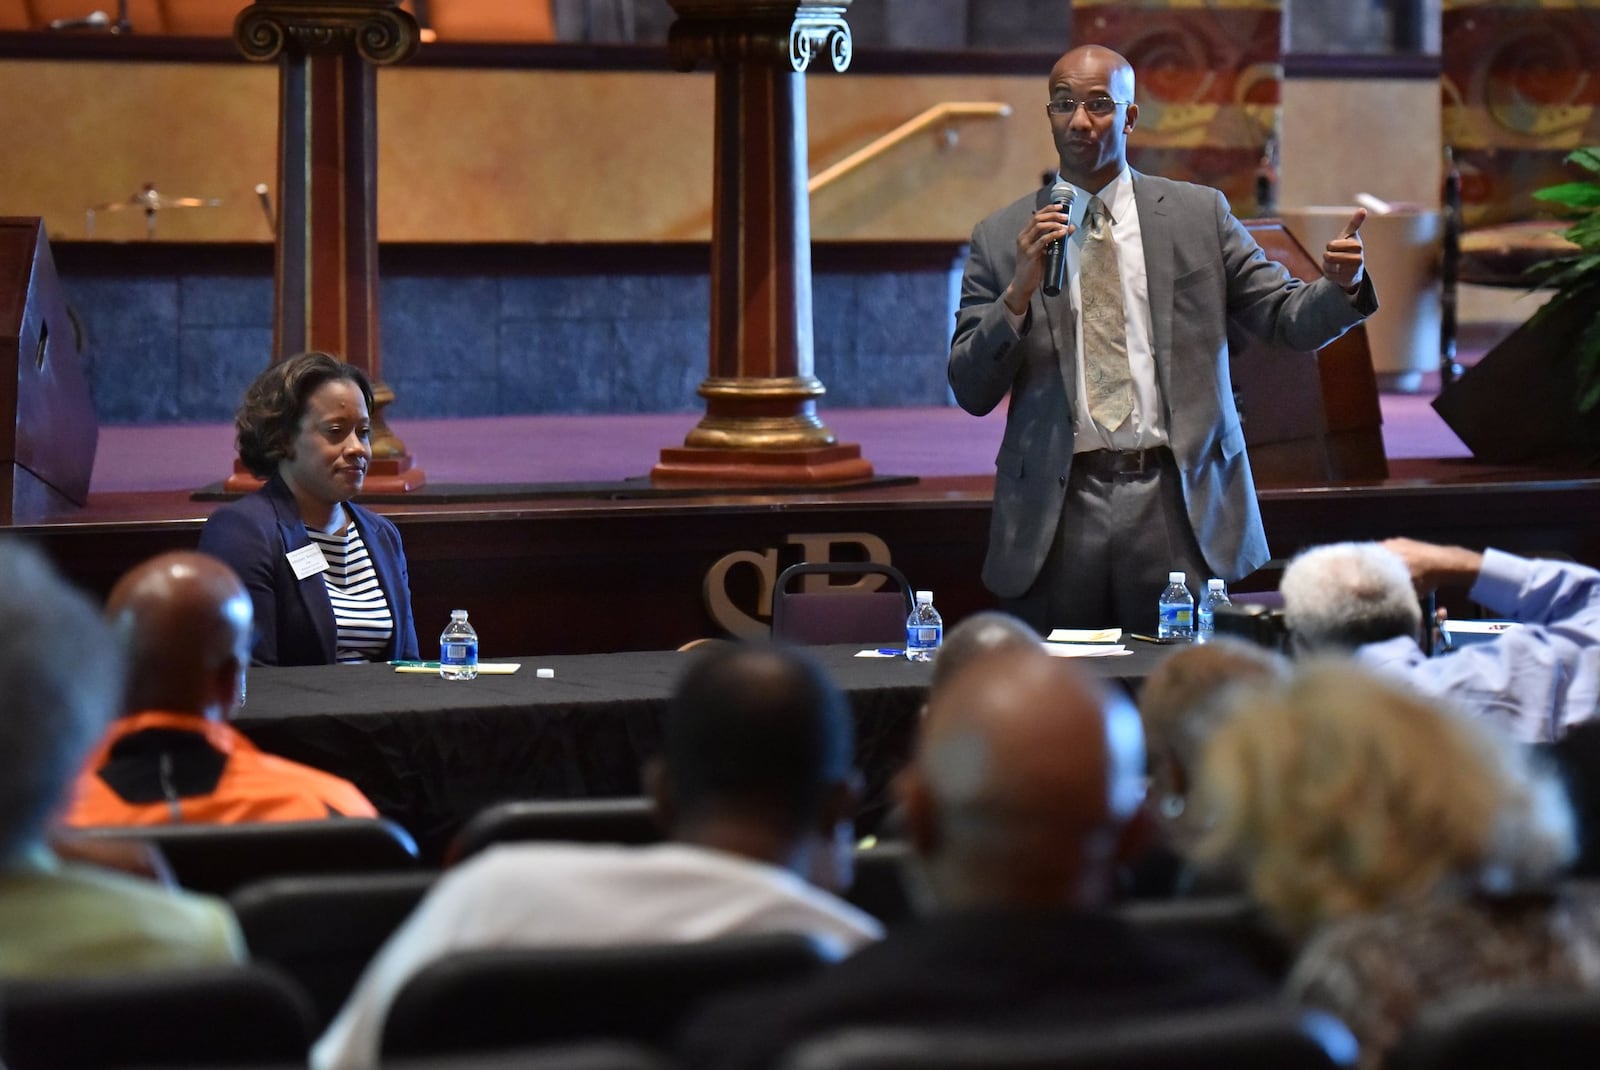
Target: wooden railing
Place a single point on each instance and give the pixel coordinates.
(932, 117)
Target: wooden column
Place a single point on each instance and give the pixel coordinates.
(325, 278)
(761, 424)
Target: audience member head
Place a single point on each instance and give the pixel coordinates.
(308, 420)
(187, 621)
(61, 671)
(1093, 148)
(1342, 793)
(1343, 595)
(758, 760)
(1024, 778)
(1182, 702)
(976, 637)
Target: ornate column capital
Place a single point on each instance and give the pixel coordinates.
(378, 30)
(766, 31)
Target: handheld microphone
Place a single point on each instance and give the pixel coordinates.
(1055, 254)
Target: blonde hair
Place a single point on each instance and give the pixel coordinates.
(1341, 793)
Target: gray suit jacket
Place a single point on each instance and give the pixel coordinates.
(1204, 271)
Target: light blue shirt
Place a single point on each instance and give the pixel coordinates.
(1535, 680)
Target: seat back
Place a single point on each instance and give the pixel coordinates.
(1231, 921)
(225, 1016)
(322, 931)
(482, 1000)
(217, 859)
(625, 820)
(1244, 1038)
(1549, 1030)
(840, 614)
(882, 882)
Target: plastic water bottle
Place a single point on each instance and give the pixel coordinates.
(458, 648)
(1205, 622)
(924, 629)
(1176, 610)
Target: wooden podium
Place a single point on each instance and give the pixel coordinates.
(1309, 418)
(47, 423)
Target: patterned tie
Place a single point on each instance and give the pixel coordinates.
(1106, 375)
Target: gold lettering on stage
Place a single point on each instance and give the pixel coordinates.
(720, 605)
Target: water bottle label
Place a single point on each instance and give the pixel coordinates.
(925, 635)
(459, 653)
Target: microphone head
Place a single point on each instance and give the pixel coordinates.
(1062, 193)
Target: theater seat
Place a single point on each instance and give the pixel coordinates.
(484, 1000)
(1493, 1031)
(1244, 1038)
(882, 883)
(225, 1016)
(322, 931)
(220, 858)
(629, 820)
(1234, 921)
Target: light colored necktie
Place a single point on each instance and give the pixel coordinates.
(1106, 375)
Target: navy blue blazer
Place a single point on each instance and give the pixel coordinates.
(294, 618)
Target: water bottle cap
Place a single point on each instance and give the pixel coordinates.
(1216, 584)
(1175, 577)
(458, 614)
(925, 596)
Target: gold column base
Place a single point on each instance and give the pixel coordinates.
(693, 466)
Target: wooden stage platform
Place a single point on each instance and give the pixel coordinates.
(606, 567)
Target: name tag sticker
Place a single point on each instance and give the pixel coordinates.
(307, 561)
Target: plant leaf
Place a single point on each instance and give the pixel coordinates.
(1587, 351)
(1587, 158)
(1571, 194)
(1572, 270)
(1585, 233)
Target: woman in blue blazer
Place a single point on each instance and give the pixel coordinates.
(305, 551)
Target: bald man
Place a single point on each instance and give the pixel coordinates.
(1016, 801)
(172, 758)
(1124, 454)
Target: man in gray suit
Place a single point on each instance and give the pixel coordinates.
(1130, 462)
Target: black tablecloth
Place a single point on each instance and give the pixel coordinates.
(430, 753)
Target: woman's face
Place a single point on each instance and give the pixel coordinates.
(328, 458)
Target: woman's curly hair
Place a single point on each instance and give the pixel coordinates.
(269, 417)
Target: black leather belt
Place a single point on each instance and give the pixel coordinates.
(1108, 464)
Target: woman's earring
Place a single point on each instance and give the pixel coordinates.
(1172, 806)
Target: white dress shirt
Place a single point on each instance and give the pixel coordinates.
(1145, 426)
(576, 895)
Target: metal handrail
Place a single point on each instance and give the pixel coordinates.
(908, 129)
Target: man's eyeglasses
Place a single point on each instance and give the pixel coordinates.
(1096, 106)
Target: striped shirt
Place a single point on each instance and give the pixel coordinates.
(360, 610)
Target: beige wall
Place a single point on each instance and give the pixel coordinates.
(1342, 137)
(496, 155)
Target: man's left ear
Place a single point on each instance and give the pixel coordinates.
(1133, 119)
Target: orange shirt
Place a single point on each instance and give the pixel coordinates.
(217, 777)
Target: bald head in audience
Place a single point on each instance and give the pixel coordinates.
(979, 636)
(1024, 778)
(187, 620)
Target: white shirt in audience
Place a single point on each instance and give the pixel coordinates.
(554, 895)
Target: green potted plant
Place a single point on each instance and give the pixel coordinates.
(1535, 397)
(1576, 277)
